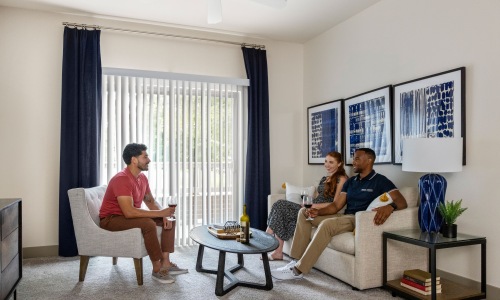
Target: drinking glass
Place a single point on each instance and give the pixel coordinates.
(172, 202)
(302, 194)
(307, 201)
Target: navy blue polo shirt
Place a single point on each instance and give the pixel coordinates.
(361, 192)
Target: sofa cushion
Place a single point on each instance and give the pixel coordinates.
(293, 192)
(411, 195)
(343, 242)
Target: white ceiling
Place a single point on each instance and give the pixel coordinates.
(299, 21)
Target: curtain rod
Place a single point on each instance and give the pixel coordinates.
(98, 27)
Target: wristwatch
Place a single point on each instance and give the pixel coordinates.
(393, 205)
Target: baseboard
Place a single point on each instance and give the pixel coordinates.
(491, 291)
(33, 252)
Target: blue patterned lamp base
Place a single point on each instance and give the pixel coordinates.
(432, 190)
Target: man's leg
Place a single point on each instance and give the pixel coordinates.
(148, 229)
(302, 234)
(326, 230)
(167, 247)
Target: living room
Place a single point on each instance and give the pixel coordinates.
(390, 42)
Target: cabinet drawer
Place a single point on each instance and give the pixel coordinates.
(10, 276)
(10, 248)
(10, 220)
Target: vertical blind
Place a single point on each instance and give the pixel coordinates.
(193, 128)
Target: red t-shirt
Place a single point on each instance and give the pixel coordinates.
(123, 184)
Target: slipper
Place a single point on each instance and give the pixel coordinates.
(270, 257)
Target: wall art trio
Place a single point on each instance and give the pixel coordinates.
(428, 107)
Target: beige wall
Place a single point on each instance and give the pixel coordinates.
(396, 41)
(30, 85)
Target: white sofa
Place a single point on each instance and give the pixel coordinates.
(356, 258)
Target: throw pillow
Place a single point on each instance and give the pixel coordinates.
(293, 192)
(381, 200)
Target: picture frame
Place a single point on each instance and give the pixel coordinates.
(324, 127)
(367, 123)
(428, 107)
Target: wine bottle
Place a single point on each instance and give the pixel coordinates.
(245, 226)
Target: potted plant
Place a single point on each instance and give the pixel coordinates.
(450, 211)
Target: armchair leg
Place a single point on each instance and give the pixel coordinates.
(84, 262)
(115, 260)
(138, 270)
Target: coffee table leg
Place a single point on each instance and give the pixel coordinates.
(199, 260)
(219, 284)
(241, 262)
(267, 271)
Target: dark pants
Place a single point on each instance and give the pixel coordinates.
(148, 229)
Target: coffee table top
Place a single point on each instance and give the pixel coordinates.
(260, 241)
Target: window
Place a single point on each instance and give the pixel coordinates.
(193, 127)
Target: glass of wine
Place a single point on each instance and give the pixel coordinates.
(302, 194)
(172, 202)
(307, 201)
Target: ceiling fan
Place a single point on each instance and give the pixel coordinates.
(215, 8)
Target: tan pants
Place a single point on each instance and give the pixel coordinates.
(307, 251)
(148, 229)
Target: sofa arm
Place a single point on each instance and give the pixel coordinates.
(368, 247)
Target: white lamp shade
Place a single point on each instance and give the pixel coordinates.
(432, 155)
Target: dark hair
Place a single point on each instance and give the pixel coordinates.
(368, 152)
(132, 150)
(331, 186)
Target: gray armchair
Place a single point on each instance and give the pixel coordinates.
(92, 240)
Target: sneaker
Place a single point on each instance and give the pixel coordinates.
(286, 274)
(175, 270)
(163, 276)
(288, 265)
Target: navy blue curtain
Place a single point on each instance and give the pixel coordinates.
(81, 106)
(258, 174)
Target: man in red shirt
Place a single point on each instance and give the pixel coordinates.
(121, 210)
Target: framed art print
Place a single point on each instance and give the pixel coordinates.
(429, 107)
(367, 122)
(324, 124)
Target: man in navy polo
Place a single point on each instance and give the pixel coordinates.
(357, 193)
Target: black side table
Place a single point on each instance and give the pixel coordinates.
(433, 242)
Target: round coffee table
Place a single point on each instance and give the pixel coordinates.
(260, 243)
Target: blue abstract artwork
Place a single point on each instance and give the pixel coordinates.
(367, 123)
(429, 107)
(324, 132)
(427, 112)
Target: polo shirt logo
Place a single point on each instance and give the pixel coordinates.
(367, 190)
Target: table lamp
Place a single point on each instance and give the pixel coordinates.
(432, 155)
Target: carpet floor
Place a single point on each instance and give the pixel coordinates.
(57, 278)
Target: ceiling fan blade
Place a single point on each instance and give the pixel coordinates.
(272, 3)
(214, 11)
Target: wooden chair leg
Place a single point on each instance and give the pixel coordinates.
(138, 269)
(84, 262)
(115, 260)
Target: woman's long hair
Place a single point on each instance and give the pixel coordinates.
(331, 185)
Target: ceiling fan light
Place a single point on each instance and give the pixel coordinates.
(214, 12)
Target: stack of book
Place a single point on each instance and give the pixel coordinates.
(419, 281)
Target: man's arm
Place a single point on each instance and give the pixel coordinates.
(384, 212)
(151, 203)
(129, 211)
